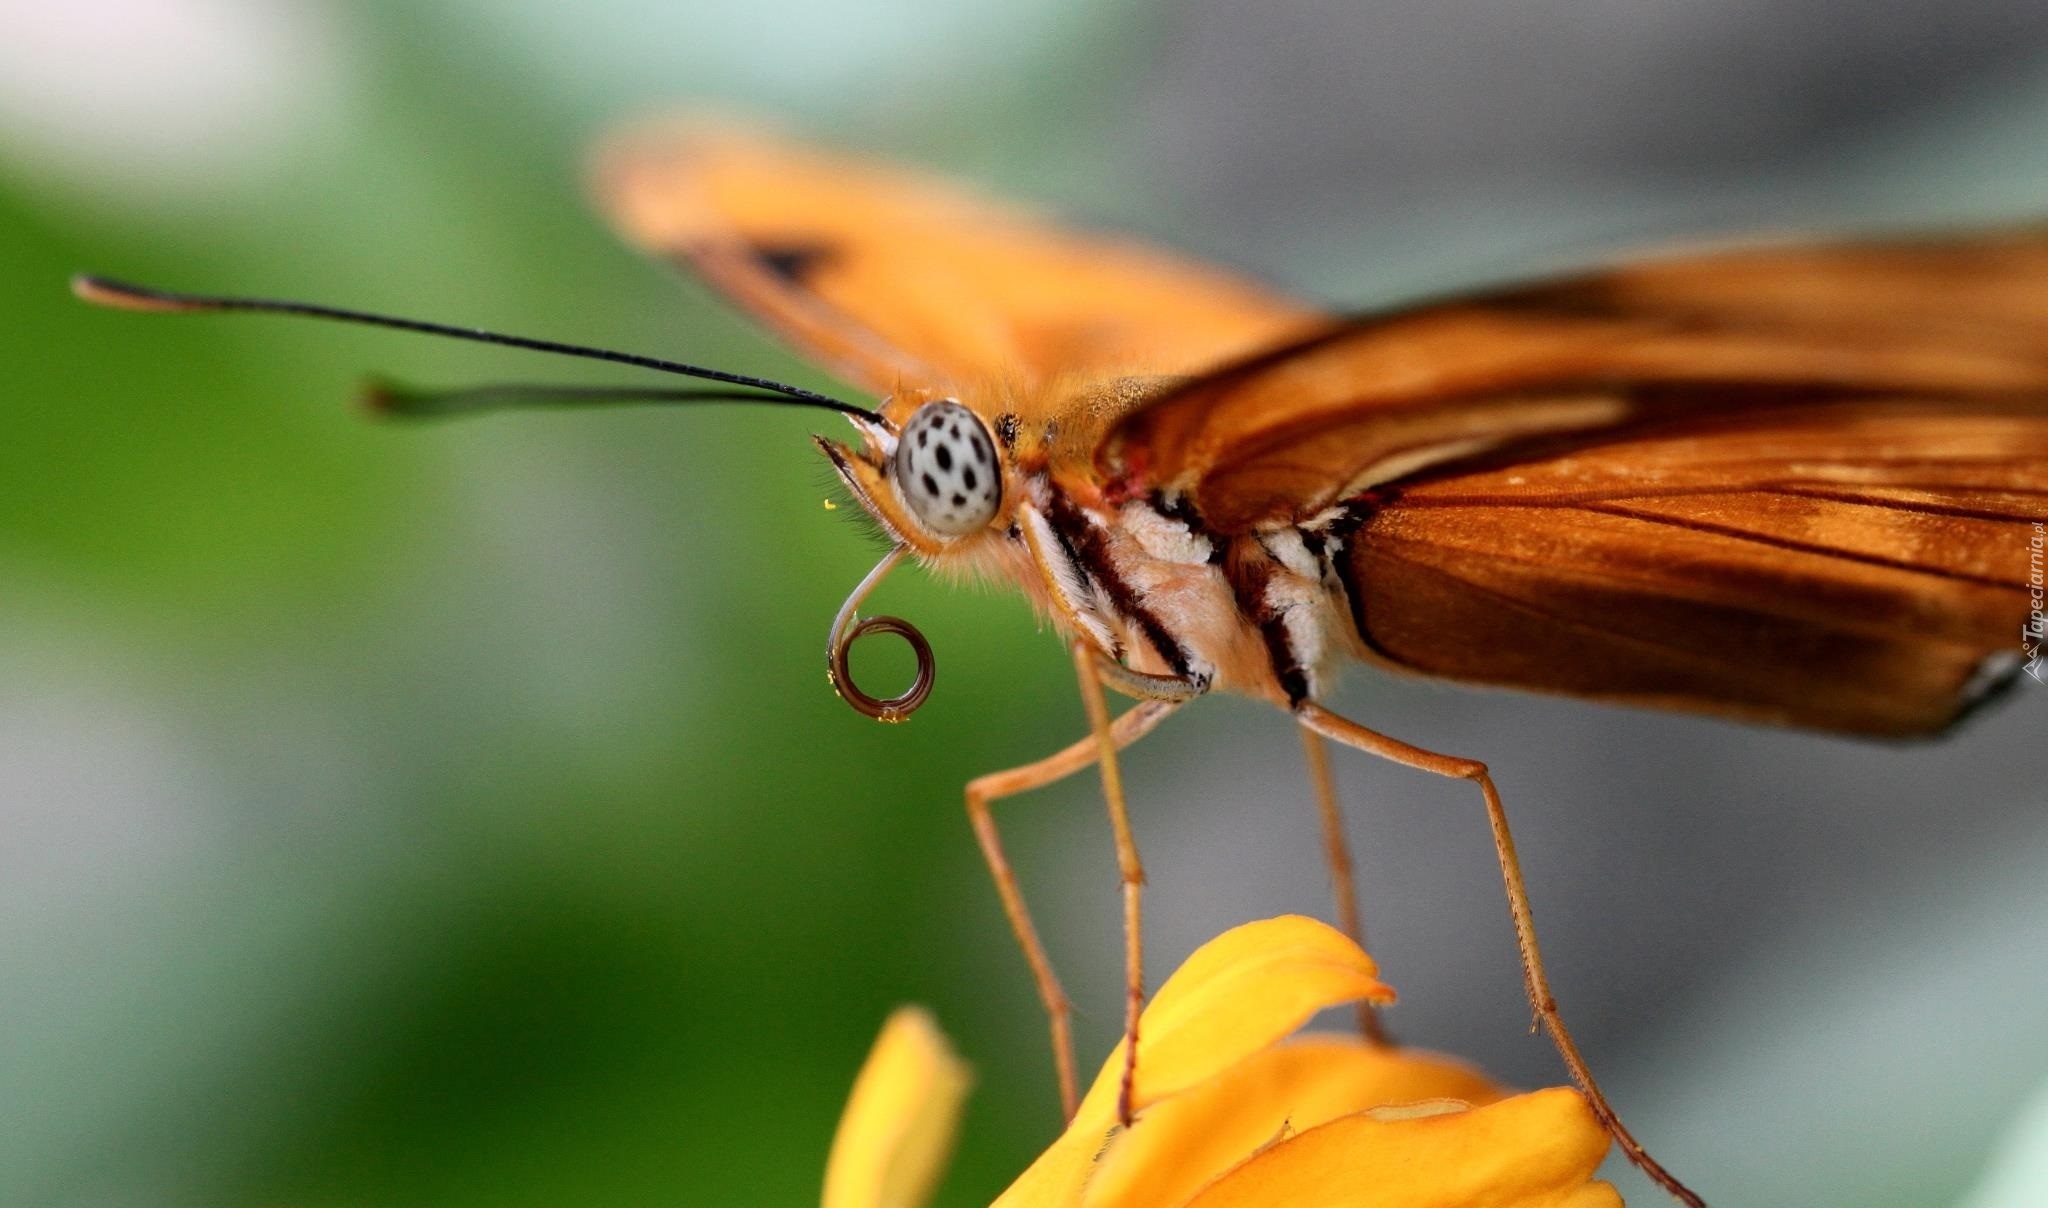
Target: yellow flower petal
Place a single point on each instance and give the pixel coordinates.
(1537, 1150)
(1187, 1141)
(1239, 993)
(897, 1130)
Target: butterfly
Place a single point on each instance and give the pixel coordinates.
(1791, 484)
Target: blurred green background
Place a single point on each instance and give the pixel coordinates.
(403, 816)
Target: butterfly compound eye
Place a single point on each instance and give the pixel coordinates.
(945, 469)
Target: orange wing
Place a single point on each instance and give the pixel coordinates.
(889, 278)
(1858, 566)
(1282, 437)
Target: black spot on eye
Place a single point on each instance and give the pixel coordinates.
(981, 449)
(924, 438)
(959, 500)
(945, 456)
(968, 479)
(931, 485)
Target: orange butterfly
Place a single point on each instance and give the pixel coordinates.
(1791, 485)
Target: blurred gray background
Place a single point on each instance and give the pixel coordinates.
(456, 815)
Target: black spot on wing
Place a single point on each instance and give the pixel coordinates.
(1591, 297)
(793, 261)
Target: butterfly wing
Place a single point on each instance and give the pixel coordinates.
(890, 278)
(1856, 565)
(1797, 485)
(1285, 435)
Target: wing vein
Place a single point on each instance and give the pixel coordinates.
(1785, 543)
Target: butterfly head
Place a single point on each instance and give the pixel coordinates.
(932, 479)
(929, 471)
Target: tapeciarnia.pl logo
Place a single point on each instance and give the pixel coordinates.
(2036, 628)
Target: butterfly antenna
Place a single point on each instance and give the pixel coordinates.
(125, 296)
(387, 397)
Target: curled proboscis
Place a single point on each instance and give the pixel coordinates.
(890, 708)
(849, 627)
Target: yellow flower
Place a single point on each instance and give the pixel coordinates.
(1233, 1114)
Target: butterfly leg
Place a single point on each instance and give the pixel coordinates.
(983, 792)
(1338, 852)
(1130, 872)
(1534, 980)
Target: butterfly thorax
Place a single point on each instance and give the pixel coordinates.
(1261, 614)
